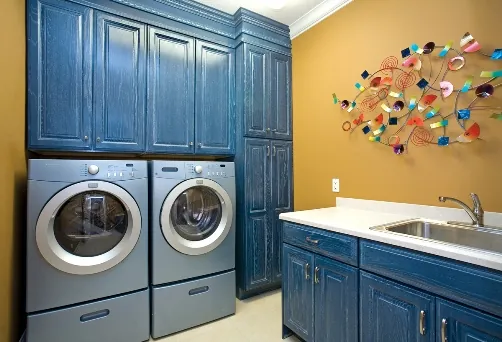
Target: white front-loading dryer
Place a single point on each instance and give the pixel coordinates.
(192, 243)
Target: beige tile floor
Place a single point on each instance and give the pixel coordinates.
(257, 320)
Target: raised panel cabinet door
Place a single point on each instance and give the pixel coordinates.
(457, 323)
(119, 84)
(281, 120)
(258, 232)
(59, 75)
(394, 312)
(298, 292)
(336, 297)
(256, 91)
(282, 195)
(215, 96)
(171, 92)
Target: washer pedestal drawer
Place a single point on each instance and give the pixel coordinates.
(185, 305)
(119, 319)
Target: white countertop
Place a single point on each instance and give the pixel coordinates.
(358, 222)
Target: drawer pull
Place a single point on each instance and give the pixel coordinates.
(444, 338)
(314, 242)
(198, 290)
(307, 271)
(422, 322)
(94, 315)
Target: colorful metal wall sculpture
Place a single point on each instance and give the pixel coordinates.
(386, 89)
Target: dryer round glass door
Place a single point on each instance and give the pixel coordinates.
(88, 227)
(196, 216)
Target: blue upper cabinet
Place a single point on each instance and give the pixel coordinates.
(281, 121)
(298, 292)
(59, 75)
(256, 91)
(336, 301)
(119, 84)
(171, 92)
(393, 312)
(258, 226)
(214, 104)
(457, 323)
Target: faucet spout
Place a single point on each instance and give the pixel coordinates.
(476, 214)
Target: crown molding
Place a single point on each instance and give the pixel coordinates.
(316, 15)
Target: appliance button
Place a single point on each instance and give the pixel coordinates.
(115, 174)
(121, 174)
(217, 173)
(108, 174)
(93, 169)
(198, 169)
(223, 173)
(132, 173)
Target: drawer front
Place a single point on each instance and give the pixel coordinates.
(472, 285)
(185, 305)
(120, 319)
(337, 246)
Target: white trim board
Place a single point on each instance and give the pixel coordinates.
(316, 15)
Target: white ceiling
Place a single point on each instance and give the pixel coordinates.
(292, 11)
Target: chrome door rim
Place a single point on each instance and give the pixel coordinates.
(64, 261)
(206, 245)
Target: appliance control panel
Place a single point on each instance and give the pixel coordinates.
(209, 169)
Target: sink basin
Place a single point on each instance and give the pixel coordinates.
(485, 239)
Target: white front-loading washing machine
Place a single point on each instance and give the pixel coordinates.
(87, 251)
(192, 243)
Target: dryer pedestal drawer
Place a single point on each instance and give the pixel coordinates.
(119, 319)
(184, 305)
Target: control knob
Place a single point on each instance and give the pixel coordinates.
(198, 169)
(93, 169)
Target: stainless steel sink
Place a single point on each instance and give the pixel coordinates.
(485, 239)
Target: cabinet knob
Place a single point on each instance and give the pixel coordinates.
(268, 129)
(86, 137)
(98, 139)
(199, 144)
(191, 143)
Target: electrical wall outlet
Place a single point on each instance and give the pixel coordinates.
(336, 185)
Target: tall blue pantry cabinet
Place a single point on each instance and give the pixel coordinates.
(264, 160)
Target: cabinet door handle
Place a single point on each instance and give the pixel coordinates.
(268, 130)
(86, 137)
(307, 271)
(314, 242)
(98, 139)
(268, 151)
(422, 322)
(199, 144)
(274, 152)
(316, 275)
(191, 143)
(444, 338)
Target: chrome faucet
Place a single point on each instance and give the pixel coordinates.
(477, 214)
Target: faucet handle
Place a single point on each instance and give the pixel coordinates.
(476, 201)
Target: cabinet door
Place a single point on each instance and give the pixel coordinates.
(119, 84)
(298, 291)
(259, 236)
(280, 102)
(256, 91)
(393, 312)
(59, 75)
(336, 301)
(457, 323)
(214, 106)
(171, 92)
(282, 196)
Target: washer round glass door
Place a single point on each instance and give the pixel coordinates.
(196, 216)
(88, 227)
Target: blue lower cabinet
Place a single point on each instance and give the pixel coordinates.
(336, 296)
(394, 312)
(457, 323)
(298, 291)
(119, 84)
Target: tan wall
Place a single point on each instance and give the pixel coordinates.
(12, 164)
(330, 58)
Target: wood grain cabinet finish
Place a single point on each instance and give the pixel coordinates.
(457, 323)
(394, 312)
(267, 94)
(59, 75)
(171, 92)
(214, 104)
(298, 291)
(119, 84)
